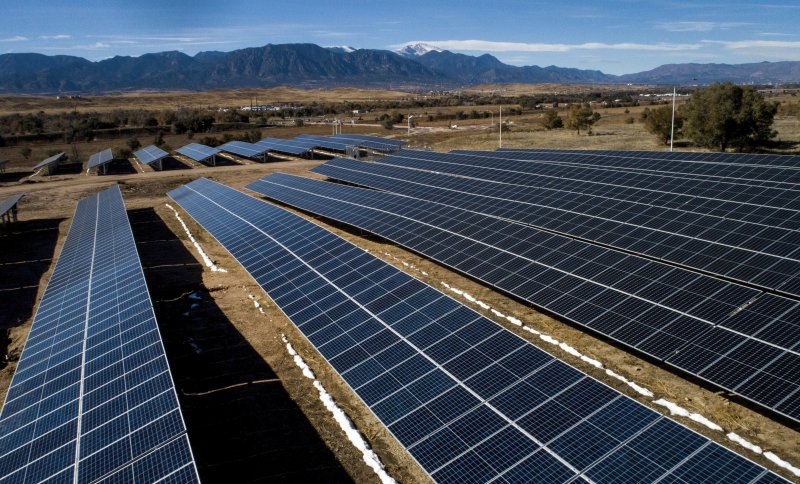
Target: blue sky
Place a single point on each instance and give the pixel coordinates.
(614, 36)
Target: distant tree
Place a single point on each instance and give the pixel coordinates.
(581, 117)
(122, 153)
(189, 134)
(659, 122)
(2, 141)
(158, 140)
(134, 144)
(552, 120)
(25, 152)
(725, 115)
(299, 122)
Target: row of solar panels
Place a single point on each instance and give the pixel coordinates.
(92, 398)
(298, 146)
(471, 401)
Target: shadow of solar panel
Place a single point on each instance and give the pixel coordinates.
(430, 397)
(92, 395)
(636, 319)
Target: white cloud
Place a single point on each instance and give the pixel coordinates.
(16, 38)
(492, 46)
(698, 26)
(755, 44)
(95, 46)
(55, 37)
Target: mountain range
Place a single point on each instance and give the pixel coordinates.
(309, 65)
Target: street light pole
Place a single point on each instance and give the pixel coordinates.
(672, 127)
(409, 124)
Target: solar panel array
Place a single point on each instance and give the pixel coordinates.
(471, 401)
(197, 152)
(150, 154)
(92, 397)
(242, 148)
(750, 174)
(289, 147)
(49, 161)
(765, 256)
(732, 336)
(788, 161)
(7, 203)
(100, 158)
(335, 144)
(372, 142)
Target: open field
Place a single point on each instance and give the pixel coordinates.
(249, 410)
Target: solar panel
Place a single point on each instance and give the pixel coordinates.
(150, 154)
(470, 400)
(92, 397)
(375, 139)
(285, 146)
(758, 254)
(771, 206)
(327, 143)
(48, 161)
(734, 337)
(8, 203)
(100, 158)
(241, 148)
(762, 175)
(197, 152)
(757, 159)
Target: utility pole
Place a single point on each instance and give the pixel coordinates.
(672, 127)
(501, 126)
(409, 124)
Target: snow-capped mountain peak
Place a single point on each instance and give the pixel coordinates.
(413, 50)
(341, 49)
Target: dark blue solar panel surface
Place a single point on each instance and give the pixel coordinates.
(150, 154)
(784, 161)
(470, 401)
(197, 152)
(767, 257)
(749, 174)
(771, 206)
(48, 161)
(377, 143)
(92, 394)
(100, 158)
(697, 323)
(326, 143)
(285, 146)
(242, 148)
(6, 204)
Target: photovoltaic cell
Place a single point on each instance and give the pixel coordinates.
(48, 161)
(7, 203)
(327, 143)
(100, 158)
(197, 152)
(150, 154)
(734, 337)
(92, 396)
(764, 256)
(778, 207)
(289, 147)
(242, 148)
(443, 379)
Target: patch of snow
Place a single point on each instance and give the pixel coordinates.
(206, 259)
(639, 389)
(549, 339)
(355, 437)
(782, 463)
(744, 443)
(417, 49)
(675, 409)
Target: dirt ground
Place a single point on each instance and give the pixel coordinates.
(250, 412)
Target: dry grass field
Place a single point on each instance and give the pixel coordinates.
(248, 409)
